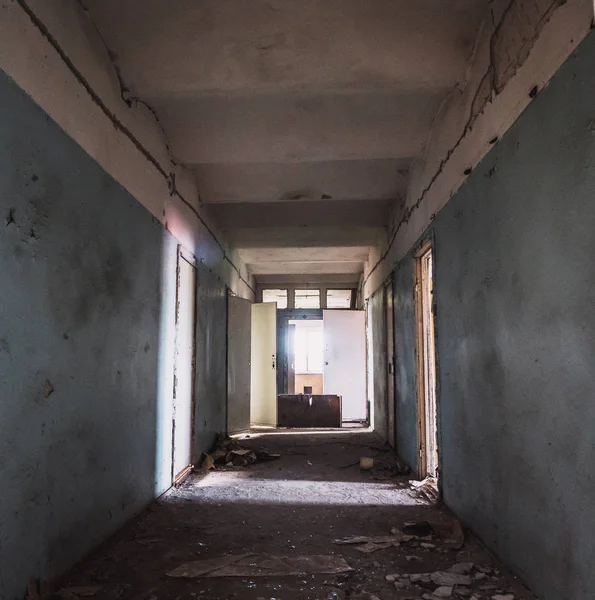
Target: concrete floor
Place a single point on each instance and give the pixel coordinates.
(296, 505)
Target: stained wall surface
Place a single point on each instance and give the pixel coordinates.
(515, 291)
(86, 350)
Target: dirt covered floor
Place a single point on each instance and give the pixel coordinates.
(312, 502)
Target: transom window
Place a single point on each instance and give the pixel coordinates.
(278, 296)
(307, 299)
(338, 298)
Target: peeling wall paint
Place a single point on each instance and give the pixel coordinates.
(86, 349)
(53, 52)
(520, 46)
(515, 289)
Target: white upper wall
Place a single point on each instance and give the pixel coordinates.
(520, 46)
(52, 51)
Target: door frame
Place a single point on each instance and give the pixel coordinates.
(420, 354)
(184, 254)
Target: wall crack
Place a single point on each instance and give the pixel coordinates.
(117, 123)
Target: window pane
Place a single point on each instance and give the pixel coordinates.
(278, 296)
(307, 298)
(338, 298)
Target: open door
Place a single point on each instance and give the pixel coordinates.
(291, 359)
(390, 363)
(238, 364)
(345, 360)
(426, 365)
(183, 410)
(263, 385)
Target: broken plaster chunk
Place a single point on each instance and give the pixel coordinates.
(483, 569)
(461, 568)
(392, 577)
(48, 388)
(443, 591)
(444, 578)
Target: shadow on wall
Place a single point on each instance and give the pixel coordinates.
(87, 334)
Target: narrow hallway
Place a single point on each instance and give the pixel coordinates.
(299, 505)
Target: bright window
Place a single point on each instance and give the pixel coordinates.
(308, 350)
(307, 298)
(278, 296)
(338, 298)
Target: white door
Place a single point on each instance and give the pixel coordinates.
(184, 366)
(238, 364)
(263, 384)
(345, 360)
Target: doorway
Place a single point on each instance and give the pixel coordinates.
(426, 364)
(184, 365)
(305, 357)
(319, 353)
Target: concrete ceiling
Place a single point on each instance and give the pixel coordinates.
(300, 119)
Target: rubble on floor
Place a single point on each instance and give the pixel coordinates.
(261, 565)
(310, 526)
(230, 453)
(427, 489)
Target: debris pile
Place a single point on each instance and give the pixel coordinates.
(426, 489)
(462, 580)
(230, 453)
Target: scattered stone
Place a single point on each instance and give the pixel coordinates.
(427, 546)
(418, 529)
(411, 558)
(443, 591)
(479, 576)
(503, 597)
(399, 585)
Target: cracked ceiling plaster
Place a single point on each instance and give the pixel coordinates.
(300, 119)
